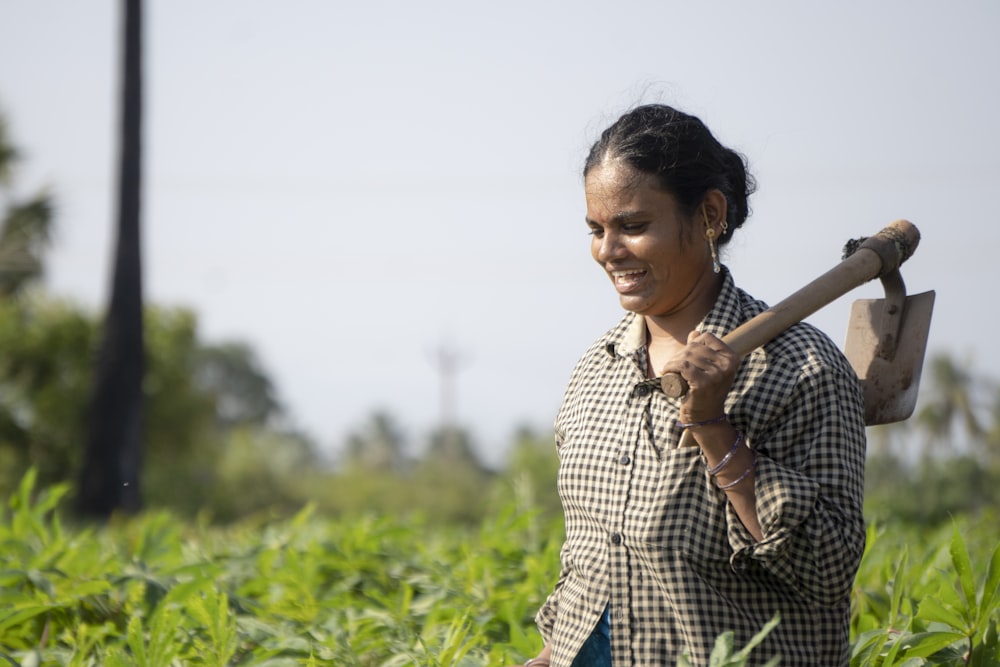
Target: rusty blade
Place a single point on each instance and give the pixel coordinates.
(889, 384)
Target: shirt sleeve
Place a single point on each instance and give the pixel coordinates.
(809, 489)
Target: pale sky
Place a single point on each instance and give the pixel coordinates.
(350, 186)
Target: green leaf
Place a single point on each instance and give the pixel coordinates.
(990, 601)
(164, 626)
(722, 650)
(890, 656)
(897, 587)
(216, 639)
(22, 615)
(963, 566)
(931, 610)
(867, 646)
(118, 657)
(987, 652)
(924, 644)
(759, 637)
(134, 639)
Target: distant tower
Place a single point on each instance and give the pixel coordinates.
(447, 361)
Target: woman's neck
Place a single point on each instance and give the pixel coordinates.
(674, 327)
(666, 335)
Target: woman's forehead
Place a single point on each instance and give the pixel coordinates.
(619, 178)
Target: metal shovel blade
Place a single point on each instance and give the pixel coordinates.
(889, 370)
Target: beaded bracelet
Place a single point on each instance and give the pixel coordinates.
(707, 422)
(728, 457)
(537, 662)
(743, 475)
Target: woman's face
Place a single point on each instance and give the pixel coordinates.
(657, 257)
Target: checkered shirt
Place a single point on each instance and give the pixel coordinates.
(648, 532)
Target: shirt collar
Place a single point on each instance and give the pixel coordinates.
(629, 336)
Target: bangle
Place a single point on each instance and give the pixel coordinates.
(537, 662)
(723, 418)
(743, 475)
(728, 457)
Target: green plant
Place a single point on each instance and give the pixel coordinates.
(929, 615)
(376, 590)
(725, 654)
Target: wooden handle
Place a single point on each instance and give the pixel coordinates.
(868, 259)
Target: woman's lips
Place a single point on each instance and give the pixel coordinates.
(627, 280)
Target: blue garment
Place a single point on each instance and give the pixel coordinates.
(596, 651)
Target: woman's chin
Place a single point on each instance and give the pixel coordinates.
(634, 304)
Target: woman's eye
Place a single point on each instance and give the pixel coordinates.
(633, 227)
(596, 231)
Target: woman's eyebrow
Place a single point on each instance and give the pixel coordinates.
(629, 216)
(623, 216)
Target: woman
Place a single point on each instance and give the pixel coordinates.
(688, 518)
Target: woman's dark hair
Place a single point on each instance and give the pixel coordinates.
(681, 152)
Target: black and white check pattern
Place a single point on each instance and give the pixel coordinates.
(648, 532)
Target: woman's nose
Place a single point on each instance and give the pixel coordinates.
(608, 246)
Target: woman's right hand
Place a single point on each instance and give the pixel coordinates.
(709, 366)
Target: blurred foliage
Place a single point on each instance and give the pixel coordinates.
(25, 227)
(44, 380)
(446, 483)
(945, 460)
(214, 435)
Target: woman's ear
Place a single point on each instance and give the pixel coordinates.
(713, 212)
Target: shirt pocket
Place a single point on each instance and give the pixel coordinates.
(681, 510)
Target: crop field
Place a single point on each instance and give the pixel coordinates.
(155, 591)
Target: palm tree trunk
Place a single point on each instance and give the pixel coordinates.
(112, 455)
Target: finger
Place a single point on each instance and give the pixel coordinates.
(697, 369)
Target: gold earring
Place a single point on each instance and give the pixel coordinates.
(710, 233)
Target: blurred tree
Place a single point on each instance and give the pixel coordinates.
(259, 470)
(533, 471)
(449, 482)
(991, 436)
(452, 446)
(25, 227)
(110, 474)
(953, 404)
(37, 351)
(198, 452)
(244, 394)
(215, 438)
(378, 446)
(45, 372)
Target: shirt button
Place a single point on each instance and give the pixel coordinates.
(642, 390)
(625, 460)
(616, 539)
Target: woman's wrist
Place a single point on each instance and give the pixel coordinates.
(726, 486)
(717, 468)
(703, 422)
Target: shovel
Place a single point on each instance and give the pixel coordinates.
(886, 338)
